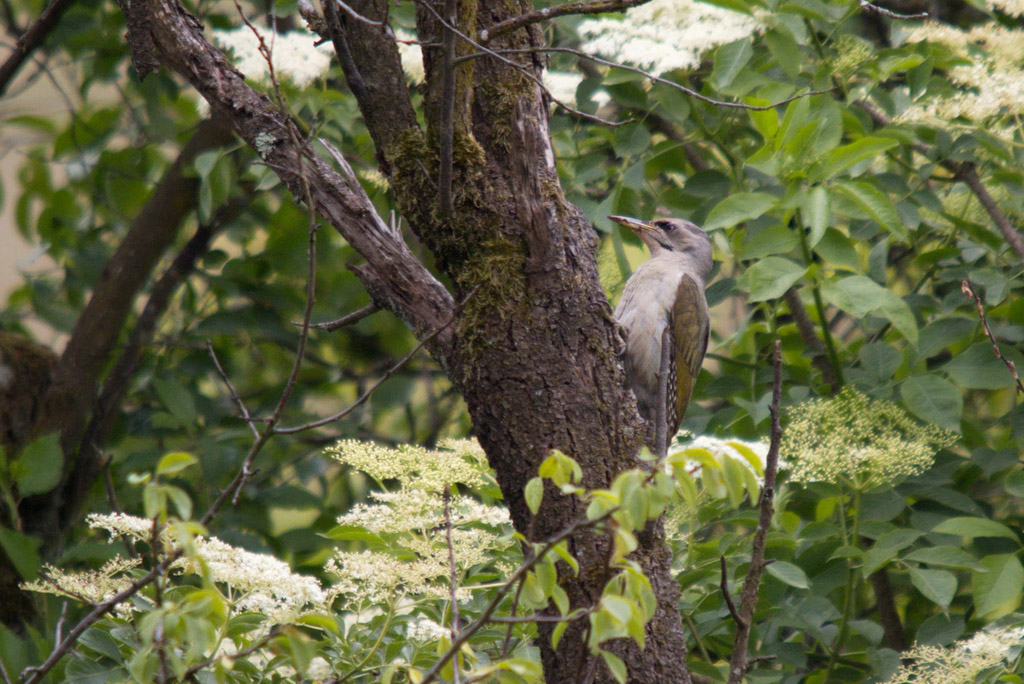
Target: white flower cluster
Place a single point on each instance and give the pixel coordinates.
(414, 466)
(663, 35)
(122, 526)
(413, 517)
(858, 441)
(1013, 7)
(425, 630)
(90, 586)
(992, 84)
(295, 54)
(962, 662)
(259, 582)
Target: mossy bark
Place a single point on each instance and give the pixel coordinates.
(533, 353)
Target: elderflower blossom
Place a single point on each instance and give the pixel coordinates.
(663, 35)
(122, 526)
(260, 583)
(962, 662)
(425, 630)
(430, 470)
(376, 577)
(90, 586)
(990, 85)
(295, 54)
(858, 441)
(1011, 7)
(412, 57)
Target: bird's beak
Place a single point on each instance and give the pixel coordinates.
(636, 225)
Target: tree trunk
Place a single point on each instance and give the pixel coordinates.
(533, 348)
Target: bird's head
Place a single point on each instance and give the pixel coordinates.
(668, 236)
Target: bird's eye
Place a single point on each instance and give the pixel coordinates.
(666, 226)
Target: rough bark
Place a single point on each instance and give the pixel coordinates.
(532, 351)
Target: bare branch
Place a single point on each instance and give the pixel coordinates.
(748, 598)
(32, 39)
(387, 374)
(870, 7)
(249, 650)
(231, 388)
(965, 287)
(966, 172)
(453, 584)
(583, 7)
(354, 317)
(724, 584)
(636, 70)
(399, 281)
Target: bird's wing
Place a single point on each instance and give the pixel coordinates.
(689, 321)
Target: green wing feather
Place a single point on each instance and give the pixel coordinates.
(690, 342)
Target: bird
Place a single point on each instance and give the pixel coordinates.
(667, 290)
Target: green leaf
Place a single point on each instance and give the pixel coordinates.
(615, 666)
(938, 586)
(947, 557)
(739, 208)
(886, 547)
(842, 158)
(23, 551)
(970, 528)
(177, 399)
(729, 61)
(998, 591)
(873, 202)
(793, 575)
(817, 214)
(534, 494)
(861, 296)
(175, 462)
(631, 140)
(977, 367)
(770, 277)
(39, 466)
(933, 399)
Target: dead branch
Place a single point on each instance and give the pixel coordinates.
(748, 598)
(965, 287)
(586, 7)
(32, 39)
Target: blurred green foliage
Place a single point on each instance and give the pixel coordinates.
(863, 224)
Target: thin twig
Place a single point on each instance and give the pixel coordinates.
(3, 673)
(869, 7)
(32, 39)
(32, 675)
(965, 287)
(357, 16)
(246, 416)
(387, 374)
(248, 650)
(502, 592)
(349, 319)
(521, 69)
(748, 598)
(591, 7)
(453, 584)
(646, 74)
(724, 584)
(530, 619)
